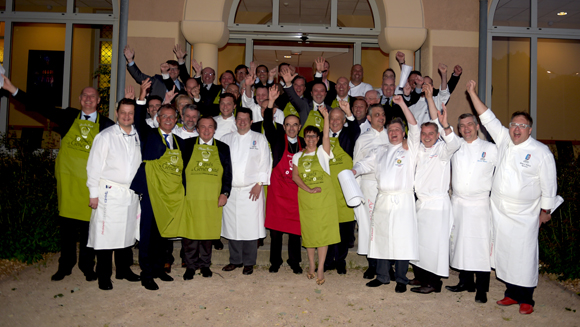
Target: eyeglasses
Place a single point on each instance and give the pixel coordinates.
(310, 136)
(514, 125)
(210, 74)
(168, 116)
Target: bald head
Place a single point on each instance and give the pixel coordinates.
(372, 97)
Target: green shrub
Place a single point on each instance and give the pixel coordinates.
(560, 238)
(28, 202)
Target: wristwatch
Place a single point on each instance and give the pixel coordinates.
(227, 194)
(260, 183)
(549, 211)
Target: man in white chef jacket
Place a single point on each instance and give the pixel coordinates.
(371, 139)
(434, 216)
(523, 196)
(393, 234)
(473, 166)
(112, 164)
(226, 122)
(190, 116)
(243, 215)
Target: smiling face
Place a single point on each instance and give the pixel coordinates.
(396, 133)
(241, 74)
(190, 86)
(89, 99)
(153, 107)
(468, 128)
(262, 73)
(261, 94)
(126, 115)
(243, 122)
(206, 128)
(519, 134)
(318, 93)
(356, 74)
(429, 135)
(388, 87)
(359, 109)
(299, 86)
(377, 117)
(166, 117)
(173, 71)
(190, 118)
(227, 106)
(292, 126)
(233, 89)
(207, 75)
(227, 79)
(342, 87)
(311, 139)
(337, 120)
(372, 97)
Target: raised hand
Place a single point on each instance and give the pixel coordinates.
(407, 89)
(428, 89)
(145, 85)
(287, 75)
(273, 93)
(169, 95)
(418, 81)
(272, 74)
(164, 68)
(324, 112)
(470, 87)
(8, 86)
(250, 79)
(442, 68)
(197, 67)
(130, 92)
(129, 54)
(179, 53)
(252, 68)
(399, 100)
(442, 116)
(400, 57)
(319, 64)
(457, 70)
(345, 106)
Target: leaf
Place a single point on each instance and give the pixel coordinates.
(59, 295)
(317, 291)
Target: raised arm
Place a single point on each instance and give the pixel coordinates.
(479, 106)
(428, 90)
(451, 140)
(443, 73)
(408, 114)
(326, 130)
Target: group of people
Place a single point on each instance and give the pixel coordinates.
(197, 169)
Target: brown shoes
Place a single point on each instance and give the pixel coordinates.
(231, 267)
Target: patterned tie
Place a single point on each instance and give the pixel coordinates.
(87, 117)
(166, 140)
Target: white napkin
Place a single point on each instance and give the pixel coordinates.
(350, 188)
(405, 72)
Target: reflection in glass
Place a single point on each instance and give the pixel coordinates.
(354, 14)
(305, 12)
(558, 84)
(559, 14)
(39, 5)
(93, 6)
(254, 12)
(512, 13)
(510, 77)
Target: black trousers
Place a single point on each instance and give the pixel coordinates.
(168, 245)
(243, 252)
(197, 253)
(427, 278)
(336, 255)
(481, 281)
(401, 268)
(71, 232)
(123, 262)
(151, 244)
(520, 293)
(372, 263)
(294, 249)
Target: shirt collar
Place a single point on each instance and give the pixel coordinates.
(292, 140)
(92, 117)
(210, 142)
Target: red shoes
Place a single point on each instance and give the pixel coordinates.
(525, 308)
(507, 301)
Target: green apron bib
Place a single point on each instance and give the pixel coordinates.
(335, 103)
(217, 98)
(314, 119)
(71, 169)
(202, 218)
(318, 211)
(340, 162)
(165, 186)
(290, 110)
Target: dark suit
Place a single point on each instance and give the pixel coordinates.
(206, 105)
(70, 229)
(158, 86)
(302, 105)
(151, 244)
(392, 111)
(330, 92)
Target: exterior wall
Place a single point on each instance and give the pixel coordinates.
(374, 62)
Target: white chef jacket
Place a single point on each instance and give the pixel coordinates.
(434, 215)
(184, 133)
(524, 182)
(364, 127)
(359, 90)
(243, 219)
(367, 141)
(224, 126)
(248, 102)
(394, 222)
(469, 243)
(421, 109)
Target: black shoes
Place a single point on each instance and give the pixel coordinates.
(341, 270)
(106, 285)
(91, 276)
(370, 273)
(149, 284)
(248, 270)
(481, 297)
(274, 269)
(375, 283)
(217, 244)
(415, 282)
(392, 274)
(424, 289)
(188, 274)
(128, 275)
(329, 267)
(206, 272)
(59, 275)
(461, 288)
(164, 277)
(296, 269)
(400, 288)
(231, 267)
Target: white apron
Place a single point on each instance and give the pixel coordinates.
(434, 221)
(363, 213)
(243, 219)
(394, 227)
(469, 243)
(115, 222)
(515, 240)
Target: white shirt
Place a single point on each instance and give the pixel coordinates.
(421, 109)
(323, 158)
(115, 156)
(473, 165)
(367, 141)
(92, 116)
(224, 126)
(359, 90)
(251, 162)
(366, 126)
(184, 133)
(525, 172)
(248, 102)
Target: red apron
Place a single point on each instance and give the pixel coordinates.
(282, 200)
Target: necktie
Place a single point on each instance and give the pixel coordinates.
(177, 85)
(87, 117)
(318, 107)
(333, 134)
(166, 140)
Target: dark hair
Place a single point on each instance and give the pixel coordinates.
(206, 117)
(319, 82)
(125, 101)
(526, 116)
(153, 97)
(190, 107)
(376, 105)
(245, 111)
(172, 62)
(302, 78)
(397, 120)
(260, 86)
(311, 129)
(426, 124)
(291, 116)
(267, 70)
(283, 64)
(392, 71)
(239, 67)
(228, 72)
(228, 95)
(415, 72)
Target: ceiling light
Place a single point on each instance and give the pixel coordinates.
(287, 57)
(549, 72)
(562, 13)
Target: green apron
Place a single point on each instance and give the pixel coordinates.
(314, 119)
(202, 219)
(71, 169)
(335, 103)
(340, 162)
(318, 211)
(165, 186)
(290, 110)
(217, 98)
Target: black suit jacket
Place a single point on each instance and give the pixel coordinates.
(206, 105)
(330, 93)
(347, 138)
(64, 118)
(275, 136)
(392, 112)
(158, 86)
(302, 105)
(225, 159)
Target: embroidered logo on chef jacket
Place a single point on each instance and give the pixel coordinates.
(526, 162)
(399, 162)
(254, 147)
(482, 159)
(433, 156)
